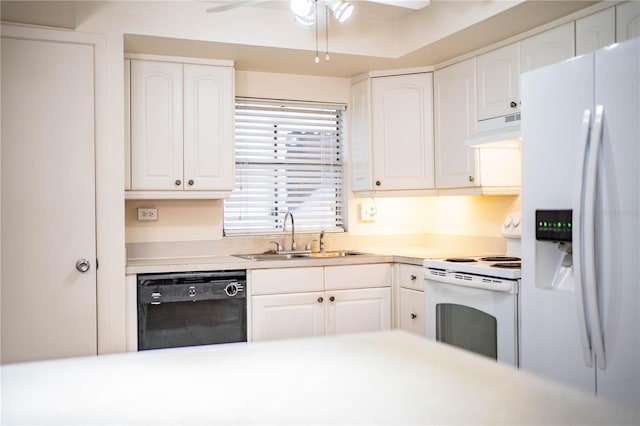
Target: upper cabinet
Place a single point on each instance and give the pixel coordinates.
(499, 82)
(595, 31)
(392, 133)
(627, 20)
(181, 128)
(460, 169)
(549, 47)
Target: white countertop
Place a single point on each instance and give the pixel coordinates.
(378, 378)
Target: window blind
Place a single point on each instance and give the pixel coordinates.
(289, 158)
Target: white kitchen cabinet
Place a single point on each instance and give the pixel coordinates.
(410, 316)
(549, 47)
(627, 20)
(498, 79)
(313, 301)
(288, 316)
(412, 311)
(181, 129)
(455, 120)
(127, 124)
(392, 133)
(595, 31)
(460, 169)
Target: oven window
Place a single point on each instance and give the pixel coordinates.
(467, 328)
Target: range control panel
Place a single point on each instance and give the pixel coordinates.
(554, 225)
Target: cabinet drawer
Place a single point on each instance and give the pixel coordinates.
(357, 276)
(411, 276)
(286, 280)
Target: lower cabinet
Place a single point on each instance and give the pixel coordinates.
(411, 299)
(285, 305)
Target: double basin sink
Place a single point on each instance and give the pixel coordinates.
(301, 255)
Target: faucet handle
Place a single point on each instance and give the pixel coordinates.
(278, 246)
(307, 247)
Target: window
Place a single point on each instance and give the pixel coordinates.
(289, 158)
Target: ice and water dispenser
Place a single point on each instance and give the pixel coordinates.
(554, 228)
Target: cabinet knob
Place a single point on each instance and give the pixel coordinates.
(413, 277)
(513, 104)
(190, 182)
(472, 178)
(178, 182)
(378, 183)
(413, 316)
(332, 299)
(320, 300)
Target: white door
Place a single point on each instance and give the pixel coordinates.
(357, 311)
(402, 123)
(455, 121)
(208, 127)
(595, 31)
(627, 20)
(286, 316)
(617, 73)
(412, 311)
(499, 82)
(156, 125)
(48, 200)
(549, 47)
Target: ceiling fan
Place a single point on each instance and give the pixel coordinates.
(234, 4)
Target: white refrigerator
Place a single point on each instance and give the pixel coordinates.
(580, 297)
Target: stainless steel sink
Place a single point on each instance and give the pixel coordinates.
(290, 256)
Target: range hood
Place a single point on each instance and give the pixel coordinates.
(499, 132)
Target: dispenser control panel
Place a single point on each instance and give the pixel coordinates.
(554, 225)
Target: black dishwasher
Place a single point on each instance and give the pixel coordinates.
(191, 308)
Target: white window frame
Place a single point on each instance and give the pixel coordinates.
(272, 178)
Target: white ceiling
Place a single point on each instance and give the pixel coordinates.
(263, 37)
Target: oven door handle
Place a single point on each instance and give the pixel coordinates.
(503, 287)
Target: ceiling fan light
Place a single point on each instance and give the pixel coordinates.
(302, 8)
(342, 10)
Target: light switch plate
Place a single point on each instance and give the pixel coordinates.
(147, 214)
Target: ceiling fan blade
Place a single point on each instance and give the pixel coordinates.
(233, 5)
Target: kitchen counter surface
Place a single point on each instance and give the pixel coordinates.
(414, 256)
(377, 378)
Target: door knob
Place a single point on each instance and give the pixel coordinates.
(83, 265)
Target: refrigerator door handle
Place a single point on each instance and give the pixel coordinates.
(591, 285)
(579, 196)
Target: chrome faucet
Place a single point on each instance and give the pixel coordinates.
(321, 241)
(293, 229)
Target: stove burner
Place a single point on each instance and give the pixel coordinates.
(500, 259)
(460, 260)
(506, 265)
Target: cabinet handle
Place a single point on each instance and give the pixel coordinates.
(190, 182)
(413, 316)
(178, 182)
(331, 299)
(413, 277)
(320, 300)
(513, 104)
(378, 183)
(472, 178)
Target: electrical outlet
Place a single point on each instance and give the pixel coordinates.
(368, 211)
(147, 214)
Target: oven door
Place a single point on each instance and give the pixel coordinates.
(477, 319)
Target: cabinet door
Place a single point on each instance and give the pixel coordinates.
(360, 137)
(412, 311)
(358, 311)
(411, 276)
(286, 316)
(627, 21)
(498, 81)
(156, 125)
(127, 124)
(549, 47)
(455, 119)
(208, 127)
(402, 125)
(595, 31)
